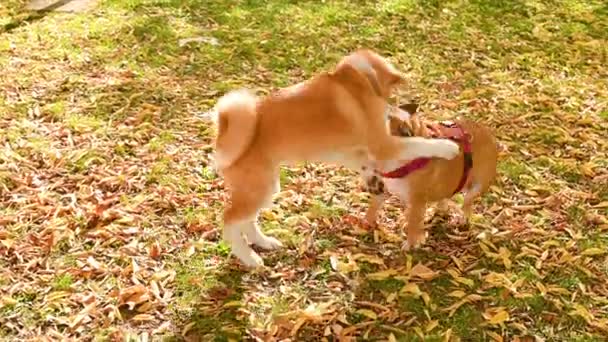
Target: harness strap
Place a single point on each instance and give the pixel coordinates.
(408, 168)
(460, 137)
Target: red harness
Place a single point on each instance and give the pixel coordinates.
(451, 131)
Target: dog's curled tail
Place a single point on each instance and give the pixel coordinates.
(236, 118)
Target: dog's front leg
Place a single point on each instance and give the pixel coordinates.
(375, 204)
(384, 146)
(417, 147)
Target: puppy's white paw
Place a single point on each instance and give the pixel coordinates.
(241, 250)
(409, 245)
(257, 237)
(444, 148)
(268, 242)
(250, 258)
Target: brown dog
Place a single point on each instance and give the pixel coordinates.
(425, 180)
(336, 117)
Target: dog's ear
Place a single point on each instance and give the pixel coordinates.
(411, 108)
(382, 75)
(355, 69)
(394, 77)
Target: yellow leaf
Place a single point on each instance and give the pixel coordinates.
(232, 304)
(419, 332)
(557, 290)
(519, 326)
(582, 311)
(541, 288)
(408, 264)
(8, 243)
(411, 288)
(299, 323)
(432, 325)
(473, 298)
(499, 318)
(426, 298)
(8, 301)
(587, 169)
(495, 336)
(372, 259)
(422, 272)
(457, 262)
(57, 295)
(391, 338)
(454, 273)
(593, 251)
(603, 204)
(452, 308)
(447, 335)
(346, 268)
(391, 297)
(367, 313)
(467, 282)
(505, 254)
(382, 274)
(142, 318)
(457, 294)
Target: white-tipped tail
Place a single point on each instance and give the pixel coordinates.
(236, 119)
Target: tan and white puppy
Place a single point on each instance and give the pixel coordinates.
(336, 117)
(420, 182)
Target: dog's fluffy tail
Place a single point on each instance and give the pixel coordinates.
(236, 118)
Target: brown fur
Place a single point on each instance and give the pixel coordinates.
(438, 180)
(334, 117)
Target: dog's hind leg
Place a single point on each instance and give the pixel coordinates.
(233, 235)
(469, 197)
(240, 222)
(240, 227)
(254, 234)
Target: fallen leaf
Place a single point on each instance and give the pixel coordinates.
(367, 313)
(423, 272)
(143, 318)
(498, 318)
(382, 274)
(593, 251)
(601, 205)
(431, 325)
(411, 288)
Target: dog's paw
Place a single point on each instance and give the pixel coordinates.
(458, 220)
(414, 242)
(268, 242)
(370, 221)
(246, 255)
(446, 149)
(251, 260)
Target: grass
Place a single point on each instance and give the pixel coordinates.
(110, 208)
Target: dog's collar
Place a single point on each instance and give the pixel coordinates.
(445, 129)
